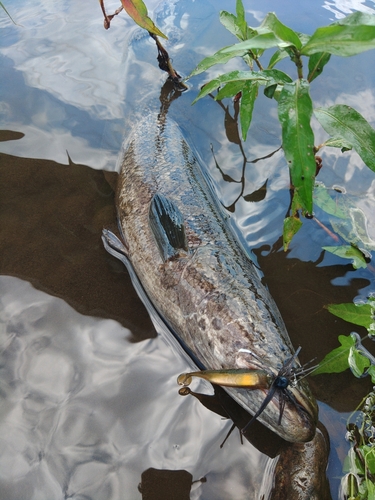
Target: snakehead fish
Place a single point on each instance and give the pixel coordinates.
(197, 275)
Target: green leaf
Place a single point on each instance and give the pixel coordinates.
(233, 76)
(358, 363)
(249, 94)
(262, 77)
(241, 21)
(291, 226)
(337, 142)
(218, 58)
(271, 33)
(369, 454)
(273, 91)
(262, 41)
(336, 361)
(349, 252)
(371, 372)
(137, 10)
(270, 90)
(316, 64)
(229, 90)
(358, 314)
(347, 37)
(295, 110)
(237, 25)
(229, 21)
(326, 203)
(277, 76)
(370, 490)
(297, 203)
(357, 19)
(278, 56)
(304, 38)
(273, 24)
(345, 122)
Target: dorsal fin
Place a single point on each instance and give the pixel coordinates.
(167, 225)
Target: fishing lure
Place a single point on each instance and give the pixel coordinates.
(247, 379)
(254, 379)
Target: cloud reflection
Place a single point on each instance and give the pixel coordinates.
(84, 412)
(342, 8)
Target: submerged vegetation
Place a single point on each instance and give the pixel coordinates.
(359, 481)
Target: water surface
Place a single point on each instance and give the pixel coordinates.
(89, 394)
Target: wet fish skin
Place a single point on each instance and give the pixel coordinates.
(300, 472)
(211, 295)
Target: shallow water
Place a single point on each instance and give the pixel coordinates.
(86, 411)
(89, 393)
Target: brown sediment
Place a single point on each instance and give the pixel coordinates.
(51, 218)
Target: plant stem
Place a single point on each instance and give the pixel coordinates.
(10, 17)
(296, 58)
(255, 58)
(299, 65)
(166, 65)
(108, 18)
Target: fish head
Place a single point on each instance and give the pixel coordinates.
(291, 412)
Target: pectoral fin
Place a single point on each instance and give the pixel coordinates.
(113, 245)
(167, 225)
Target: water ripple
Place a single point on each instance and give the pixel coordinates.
(84, 412)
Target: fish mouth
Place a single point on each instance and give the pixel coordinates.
(300, 415)
(287, 406)
(291, 410)
(292, 414)
(304, 399)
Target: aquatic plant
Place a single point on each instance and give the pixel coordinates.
(348, 129)
(137, 10)
(359, 481)
(352, 354)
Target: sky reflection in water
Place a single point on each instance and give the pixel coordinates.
(85, 411)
